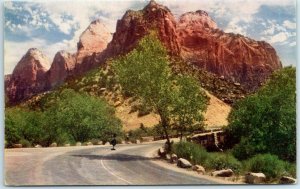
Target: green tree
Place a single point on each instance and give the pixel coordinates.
(85, 117)
(266, 121)
(22, 124)
(145, 74)
(189, 103)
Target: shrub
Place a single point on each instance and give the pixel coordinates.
(25, 143)
(268, 164)
(190, 151)
(220, 161)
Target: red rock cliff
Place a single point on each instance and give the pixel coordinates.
(29, 76)
(233, 56)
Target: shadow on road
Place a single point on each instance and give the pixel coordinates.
(118, 157)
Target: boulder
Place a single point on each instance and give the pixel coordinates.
(89, 144)
(255, 178)
(17, 145)
(78, 144)
(222, 173)
(37, 146)
(183, 163)
(67, 145)
(287, 180)
(162, 152)
(199, 169)
(174, 158)
(54, 144)
(137, 141)
(100, 142)
(168, 157)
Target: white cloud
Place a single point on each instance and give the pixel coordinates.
(289, 25)
(278, 38)
(292, 44)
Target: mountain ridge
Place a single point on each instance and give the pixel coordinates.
(194, 38)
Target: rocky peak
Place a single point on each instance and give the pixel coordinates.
(29, 76)
(63, 64)
(136, 24)
(33, 58)
(95, 38)
(198, 19)
(34, 61)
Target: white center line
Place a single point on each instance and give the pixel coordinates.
(109, 171)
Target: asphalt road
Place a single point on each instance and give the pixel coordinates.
(96, 165)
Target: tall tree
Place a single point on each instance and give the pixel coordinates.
(189, 104)
(145, 73)
(266, 121)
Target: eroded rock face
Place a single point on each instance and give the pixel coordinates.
(136, 24)
(93, 40)
(233, 56)
(62, 67)
(29, 76)
(197, 40)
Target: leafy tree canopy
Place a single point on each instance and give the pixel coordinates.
(266, 121)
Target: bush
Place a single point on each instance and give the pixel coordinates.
(268, 164)
(25, 143)
(190, 151)
(220, 161)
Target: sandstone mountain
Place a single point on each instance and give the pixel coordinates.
(35, 74)
(194, 38)
(29, 76)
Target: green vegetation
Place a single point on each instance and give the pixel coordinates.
(68, 117)
(190, 151)
(145, 74)
(266, 121)
(220, 161)
(270, 165)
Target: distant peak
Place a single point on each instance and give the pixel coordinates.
(152, 5)
(97, 21)
(202, 12)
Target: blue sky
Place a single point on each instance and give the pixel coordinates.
(55, 25)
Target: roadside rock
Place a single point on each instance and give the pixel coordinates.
(67, 145)
(137, 141)
(78, 144)
(168, 157)
(54, 144)
(162, 152)
(183, 163)
(287, 180)
(199, 169)
(174, 158)
(89, 144)
(37, 146)
(255, 178)
(222, 173)
(17, 145)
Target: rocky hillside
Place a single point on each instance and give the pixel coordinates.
(228, 65)
(101, 83)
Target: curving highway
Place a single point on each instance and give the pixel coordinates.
(93, 165)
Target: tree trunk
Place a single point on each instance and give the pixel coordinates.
(164, 124)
